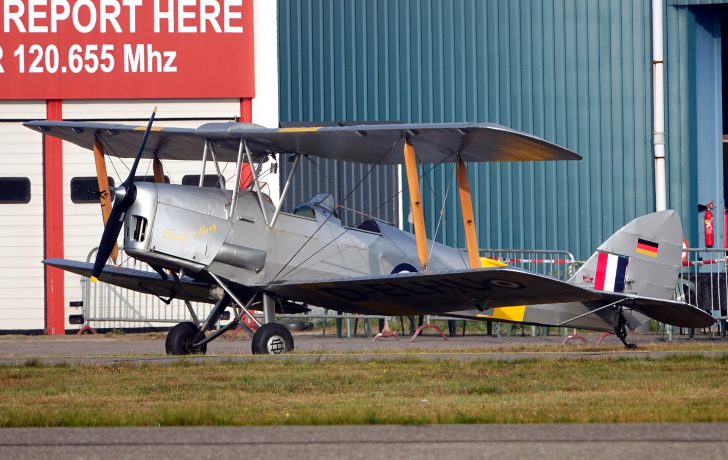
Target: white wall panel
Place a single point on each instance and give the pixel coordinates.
(22, 297)
(22, 110)
(140, 109)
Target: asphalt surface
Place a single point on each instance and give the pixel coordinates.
(146, 348)
(595, 441)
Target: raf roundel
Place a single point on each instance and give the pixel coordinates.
(505, 284)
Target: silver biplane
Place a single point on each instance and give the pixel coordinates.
(236, 248)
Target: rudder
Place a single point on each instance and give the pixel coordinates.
(641, 258)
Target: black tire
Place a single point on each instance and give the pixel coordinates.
(180, 338)
(272, 339)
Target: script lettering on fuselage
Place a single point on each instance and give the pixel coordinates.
(184, 236)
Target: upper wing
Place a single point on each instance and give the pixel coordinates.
(373, 144)
(424, 293)
(678, 314)
(140, 280)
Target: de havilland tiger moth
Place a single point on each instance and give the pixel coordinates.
(235, 248)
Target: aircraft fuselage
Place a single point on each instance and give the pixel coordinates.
(188, 227)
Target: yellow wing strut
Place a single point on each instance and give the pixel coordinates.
(418, 214)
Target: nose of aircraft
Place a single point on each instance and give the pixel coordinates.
(118, 193)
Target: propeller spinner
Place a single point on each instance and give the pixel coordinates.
(125, 196)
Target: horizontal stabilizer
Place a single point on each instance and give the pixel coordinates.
(665, 311)
(424, 293)
(139, 280)
(372, 144)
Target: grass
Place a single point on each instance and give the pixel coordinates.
(683, 388)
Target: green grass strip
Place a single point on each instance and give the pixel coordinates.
(408, 391)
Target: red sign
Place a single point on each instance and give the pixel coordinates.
(120, 49)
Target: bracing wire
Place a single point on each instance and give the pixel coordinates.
(386, 152)
(442, 214)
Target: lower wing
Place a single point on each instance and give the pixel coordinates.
(140, 280)
(433, 293)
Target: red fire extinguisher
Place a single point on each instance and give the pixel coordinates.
(708, 226)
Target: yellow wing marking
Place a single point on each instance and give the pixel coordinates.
(309, 129)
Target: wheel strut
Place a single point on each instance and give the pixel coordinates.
(620, 330)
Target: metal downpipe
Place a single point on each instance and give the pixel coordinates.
(658, 108)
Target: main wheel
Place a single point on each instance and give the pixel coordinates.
(180, 339)
(272, 339)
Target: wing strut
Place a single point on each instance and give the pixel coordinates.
(236, 187)
(418, 215)
(104, 190)
(258, 190)
(285, 191)
(158, 170)
(466, 206)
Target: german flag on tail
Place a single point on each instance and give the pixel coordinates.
(647, 247)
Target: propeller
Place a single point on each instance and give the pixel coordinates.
(104, 189)
(125, 196)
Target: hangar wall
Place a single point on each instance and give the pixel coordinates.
(575, 72)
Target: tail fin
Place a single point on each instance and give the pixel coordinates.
(641, 258)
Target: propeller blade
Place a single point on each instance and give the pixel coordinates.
(130, 180)
(102, 178)
(108, 239)
(125, 196)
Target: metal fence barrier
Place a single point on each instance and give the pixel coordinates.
(555, 263)
(112, 307)
(703, 281)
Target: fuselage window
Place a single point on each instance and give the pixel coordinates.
(86, 189)
(305, 210)
(14, 190)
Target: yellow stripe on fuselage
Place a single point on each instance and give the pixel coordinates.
(144, 128)
(515, 313)
(487, 262)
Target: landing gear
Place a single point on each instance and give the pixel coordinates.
(620, 331)
(272, 339)
(181, 339)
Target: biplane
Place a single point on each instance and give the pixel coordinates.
(236, 248)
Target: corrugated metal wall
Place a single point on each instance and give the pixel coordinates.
(576, 72)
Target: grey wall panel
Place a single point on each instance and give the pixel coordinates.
(576, 72)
